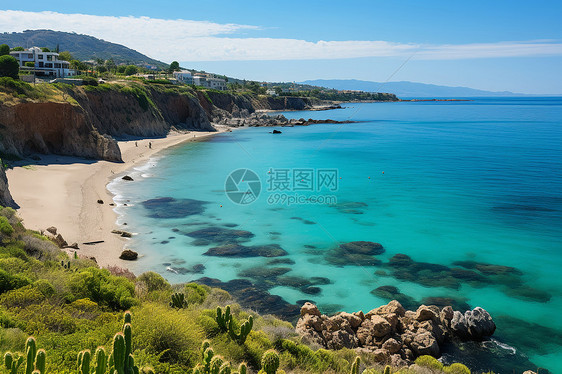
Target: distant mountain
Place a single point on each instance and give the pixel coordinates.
(405, 89)
(82, 47)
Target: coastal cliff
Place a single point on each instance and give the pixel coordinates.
(84, 121)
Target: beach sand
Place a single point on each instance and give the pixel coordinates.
(63, 192)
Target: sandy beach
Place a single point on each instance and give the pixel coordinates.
(64, 191)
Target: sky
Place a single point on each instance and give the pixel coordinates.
(499, 45)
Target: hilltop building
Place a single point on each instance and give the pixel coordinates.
(209, 82)
(184, 76)
(46, 63)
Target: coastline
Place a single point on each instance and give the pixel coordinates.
(63, 191)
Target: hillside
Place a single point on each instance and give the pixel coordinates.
(82, 47)
(405, 89)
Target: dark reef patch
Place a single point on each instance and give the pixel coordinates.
(169, 207)
(241, 251)
(392, 293)
(351, 207)
(220, 235)
(281, 261)
(256, 298)
(359, 253)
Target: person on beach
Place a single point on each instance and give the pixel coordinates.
(150, 145)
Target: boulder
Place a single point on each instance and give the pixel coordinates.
(100, 201)
(129, 255)
(127, 178)
(392, 346)
(364, 333)
(392, 307)
(425, 313)
(381, 356)
(425, 344)
(309, 308)
(480, 324)
(342, 339)
(381, 327)
(446, 315)
(353, 320)
(459, 326)
(52, 230)
(59, 240)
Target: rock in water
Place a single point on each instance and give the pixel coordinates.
(480, 324)
(129, 255)
(127, 178)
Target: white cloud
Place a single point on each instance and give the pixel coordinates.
(186, 40)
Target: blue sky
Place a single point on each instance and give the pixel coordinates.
(493, 45)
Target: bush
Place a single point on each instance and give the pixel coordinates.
(154, 281)
(131, 70)
(456, 368)
(89, 81)
(45, 287)
(4, 49)
(10, 282)
(5, 227)
(22, 297)
(196, 293)
(9, 67)
(429, 362)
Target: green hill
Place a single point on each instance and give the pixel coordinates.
(82, 47)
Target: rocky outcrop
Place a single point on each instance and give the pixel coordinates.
(5, 196)
(392, 334)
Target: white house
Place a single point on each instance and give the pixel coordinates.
(184, 76)
(46, 63)
(271, 92)
(209, 82)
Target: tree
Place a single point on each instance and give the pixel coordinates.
(174, 66)
(110, 65)
(30, 64)
(9, 67)
(65, 56)
(121, 69)
(4, 49)
(18, 49)
(45, 49)
(101, 68)
(78, 65)
(131, 70)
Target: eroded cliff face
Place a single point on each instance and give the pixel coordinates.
(5, 196)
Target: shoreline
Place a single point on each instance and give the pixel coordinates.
(63, 191)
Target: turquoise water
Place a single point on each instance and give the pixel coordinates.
(440, 182)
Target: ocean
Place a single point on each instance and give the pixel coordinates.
(469, 191)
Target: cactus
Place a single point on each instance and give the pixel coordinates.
(355, 366)
(40, 361)
(225, 368)
(244, 330)
(242, 368)
(178, 301)
(12, 363)
(206, 344)
(223, 319)
(127, 317)
(119, 353)
(216, 364)
(128, 335)
(101, 361)
(270, 362)
(207, 358)
(31, 351)
(84, 362)
(387, 369)
(75, 255)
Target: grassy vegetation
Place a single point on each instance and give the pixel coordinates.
(71, 305)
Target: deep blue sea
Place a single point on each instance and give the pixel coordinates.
(471, 191)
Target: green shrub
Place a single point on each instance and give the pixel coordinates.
(456, 368)
(196, 293)
(5, 227)
(429, 362)
(22, 297)
(45, 287)
(154, 281)
(103, 288)
(11, 282)
(9, 67)
(89, 81)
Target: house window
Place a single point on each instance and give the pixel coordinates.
(30, 55)
(49, 58)
(48, 65)
(40, 57)
(40, 64)
(57, 66)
